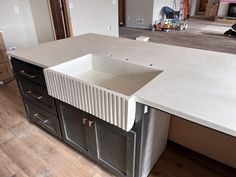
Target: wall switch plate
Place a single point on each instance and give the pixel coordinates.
(71, 6)
(12, 48)
(109, 28)
(114, 2)
(16, 8)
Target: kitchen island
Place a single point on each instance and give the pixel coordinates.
(194, 84)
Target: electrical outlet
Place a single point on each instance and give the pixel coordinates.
(16, 8)
(140, 21)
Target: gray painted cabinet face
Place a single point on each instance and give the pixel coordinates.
(43, 118)
(37, 95)
(116, 148)
(73, 126)
(40, 107)
(110, 146)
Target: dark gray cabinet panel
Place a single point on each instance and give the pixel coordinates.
(110, 146)
(116, 148)
(37, 95)
(43, 118)
(28, 71)
(73, 124)
(40, 107)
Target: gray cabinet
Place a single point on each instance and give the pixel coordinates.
(73, 124)
(126, 154)
(40, 107)
(115, 148)
(42, 118)
(37, 94)
(110, 146)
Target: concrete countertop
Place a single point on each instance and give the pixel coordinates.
(196, 85)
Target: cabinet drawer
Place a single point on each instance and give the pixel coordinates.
(43, 118)
(28, 71)
(37, 94)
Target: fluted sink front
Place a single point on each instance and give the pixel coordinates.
(101, 86)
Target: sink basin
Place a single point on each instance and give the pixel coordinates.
(101, 86)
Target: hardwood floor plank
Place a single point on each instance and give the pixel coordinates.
(56, 154)
(27, 160)
(8, 168)
(12, 110)
(201, 34)
(182, 166)
(5, 135)
(159, 172)
(10, 94)
(202, 161)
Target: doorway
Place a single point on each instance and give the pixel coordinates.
(60, 17)
(202, 7)
(122, 8)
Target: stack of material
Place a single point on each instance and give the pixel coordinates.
(5, 69)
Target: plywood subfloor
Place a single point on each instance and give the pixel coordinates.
(28, 151)
(201, 34)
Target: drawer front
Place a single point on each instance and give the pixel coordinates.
(42, 118)
(28, 71)
(37, 94)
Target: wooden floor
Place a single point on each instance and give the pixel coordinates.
(26, 150)
(201, 34)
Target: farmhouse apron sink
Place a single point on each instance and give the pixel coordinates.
(101, 86)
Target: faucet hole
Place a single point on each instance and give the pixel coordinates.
(151, 64)
(126, 59)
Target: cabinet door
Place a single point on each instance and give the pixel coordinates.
(115, 148)
(73, 124)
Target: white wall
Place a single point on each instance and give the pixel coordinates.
(159, 4)
(42, 20)
(139, 9)
(94, 16)
(19, 29)
(194, 6)
(223, 9)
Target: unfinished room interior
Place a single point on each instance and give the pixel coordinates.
(117, 88)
